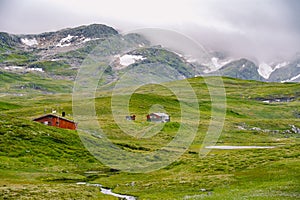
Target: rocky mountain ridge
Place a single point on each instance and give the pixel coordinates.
(61, 53)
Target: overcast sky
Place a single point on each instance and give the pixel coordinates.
(264, 29)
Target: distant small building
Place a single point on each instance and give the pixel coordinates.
(158, 117)
(57, 121)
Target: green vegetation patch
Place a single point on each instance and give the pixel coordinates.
(42, 162)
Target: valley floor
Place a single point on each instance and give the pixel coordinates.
(43, 162)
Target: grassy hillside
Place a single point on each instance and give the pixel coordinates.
(40, 162)
(32, 83)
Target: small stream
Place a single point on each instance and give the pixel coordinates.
(108, 191)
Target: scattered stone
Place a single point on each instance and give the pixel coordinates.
(295, 129)
(276, 100)
(255, 129)
(241, 128)
(286, 132)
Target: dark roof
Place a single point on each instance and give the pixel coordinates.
(52, 115)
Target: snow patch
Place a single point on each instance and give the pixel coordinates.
(191, 60)
(12, 68)
(178, 54)
(29, 42)
(280, 65)
(86, 40)
(35, 69)
(291, 79)
(127, 60)
(19, 68)
(64, 42)
(187, 58)
(216, 64)
(265, 70)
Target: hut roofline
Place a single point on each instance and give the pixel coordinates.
(160, 114)
(47, 115)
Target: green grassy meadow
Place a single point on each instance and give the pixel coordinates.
(42, 162)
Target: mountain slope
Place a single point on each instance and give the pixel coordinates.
(242, 69)
(158, 55)
(288, 73)
(59, 55)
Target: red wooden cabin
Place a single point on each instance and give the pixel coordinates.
(57, 121)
